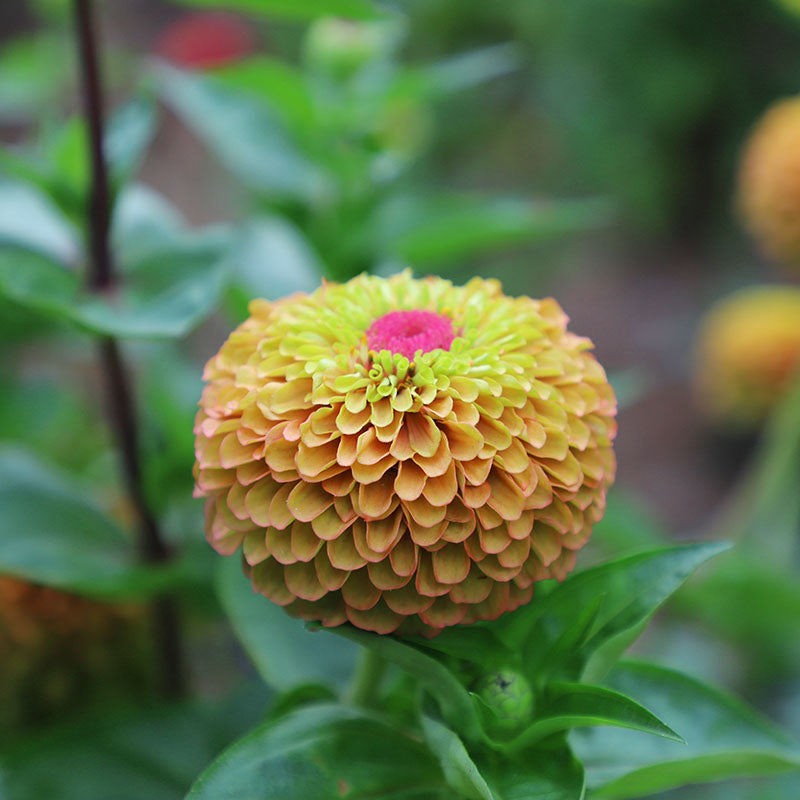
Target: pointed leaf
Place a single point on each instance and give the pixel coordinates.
(244, 132)
(538, 775)
(579, 705)
(633, 588)
(459, 769)
(52, 534)
(323, 752)
(724, 738)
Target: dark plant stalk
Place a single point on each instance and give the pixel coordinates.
(122, 417)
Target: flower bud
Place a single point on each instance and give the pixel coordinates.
(509, 695)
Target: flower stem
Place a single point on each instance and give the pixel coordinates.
(367, 680)
(100, 276)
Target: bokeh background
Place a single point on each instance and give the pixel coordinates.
(587, 150)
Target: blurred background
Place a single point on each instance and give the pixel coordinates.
(589, 150)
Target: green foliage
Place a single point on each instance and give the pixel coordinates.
(355, 9)
(52, 534)
(723, 738)
(324, 752)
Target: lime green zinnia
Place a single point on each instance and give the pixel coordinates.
(408, 470)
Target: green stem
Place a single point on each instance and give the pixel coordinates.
(367, 680)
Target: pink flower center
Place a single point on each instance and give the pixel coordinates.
(406, 332)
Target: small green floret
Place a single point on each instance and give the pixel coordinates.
(509, 695)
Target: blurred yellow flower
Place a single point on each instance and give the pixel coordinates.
(769, 182)
(748, 350)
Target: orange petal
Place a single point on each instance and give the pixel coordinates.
(375, 499)
(441, 490)
(476, 471)
(382, 413)
(339, 485)
(292, 395)
(426, 536)
(407, 600)
(279, 515)
(505, 498)
(492, 567)
(438, 463)
(521, 528)
(515, 554)
(464, 440)
(443, 612)
(474, 588)
(304, 542)
(451, 564)
(342, 553)
(329, 576)
(379, 619)
(410, 481)
(301, 579)
(403, 556)
(232, 452)
(494, 433)
(370, 450)
(423, 513)
(254, 547)
(426, 582)
(311, 461)
(546, 543)
(495, 540)
(308, 500)
(384, 577)
(347, 422)
(423, 435)
(359, 592)
(247, 474)
(328, 525)
(382, 534)
(369, 473)
(268, 578)
(279, 544)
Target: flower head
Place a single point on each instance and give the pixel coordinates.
(747, 351)
(404, 453)
(769, 182)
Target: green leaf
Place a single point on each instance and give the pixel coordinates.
(447, 230)
(277, 83)
(245, 134)
(470, 69)
(578, 705)
(308, 9)
(130, 131)
(52, 534)
(632, 588)
(539, 775)
(453, 699)
(273, 259)
(474, 644)
(459, 769)
(143, 223)
(323, 752)
(30, 219)
(724, 738)
(164, 295)
(151, 752)
(282, 650)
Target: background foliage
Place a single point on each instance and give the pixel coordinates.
(584, 149)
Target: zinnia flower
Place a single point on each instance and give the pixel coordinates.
(769, 182)
(404, 453)
(747, 351)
